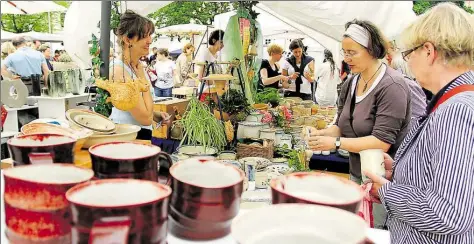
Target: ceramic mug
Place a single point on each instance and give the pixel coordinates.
(261, 180)
(36, 209)
(130, 160)
(202, 205)
(372, 160)
(317, 188)
(250, 169)
(41, 149)
(119, 211)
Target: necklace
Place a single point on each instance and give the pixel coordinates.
(367, 82)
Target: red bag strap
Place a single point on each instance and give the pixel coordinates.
(451, 93)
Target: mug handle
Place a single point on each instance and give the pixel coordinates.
(110, 230)
(41, 157)
(164, 175)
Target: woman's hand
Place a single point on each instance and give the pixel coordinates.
(388, 164)
(377, 183)
(322, 143)
(284, 78)
(294, 76)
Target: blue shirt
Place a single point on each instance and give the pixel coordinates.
(26, 62)
(431, 197)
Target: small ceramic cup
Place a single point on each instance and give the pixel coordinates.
(250, 169)
(261, 180)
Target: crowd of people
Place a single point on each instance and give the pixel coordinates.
(27, 59)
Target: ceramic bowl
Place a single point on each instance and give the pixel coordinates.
(227, 155)
(202, 197)
(124, 132)
(261, 163)
(281, 168)
(90, 120)
(232, 162)
(41, 148)
(197, 151)
(317, 188)
(81, 134)
(298, 223)
(326, 153)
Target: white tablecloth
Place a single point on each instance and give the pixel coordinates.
(377, 236)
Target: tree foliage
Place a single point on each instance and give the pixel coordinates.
(20, 23)
(182, 12)
(419, 7)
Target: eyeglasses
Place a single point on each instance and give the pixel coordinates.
(348, 54)
(407, 52)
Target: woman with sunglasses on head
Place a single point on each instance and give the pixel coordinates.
(134, 39)
(374, 105)
(429, 191)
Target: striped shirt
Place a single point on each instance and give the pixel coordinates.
(431, 197)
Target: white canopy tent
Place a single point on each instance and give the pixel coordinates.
(322, 21)
(45, 37)
(30, 7)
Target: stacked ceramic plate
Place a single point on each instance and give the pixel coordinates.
(99, 124)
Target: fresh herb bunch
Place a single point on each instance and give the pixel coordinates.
(234, 102)
(296, 158)
(268, 95)
(201, 127)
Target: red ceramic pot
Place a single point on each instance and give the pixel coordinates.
(317, 188)
(130, 160)
(119, 211)
(200, 198)
(36, 209)
(41, 148)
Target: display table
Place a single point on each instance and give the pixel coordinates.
(376, 236)
(11, 123)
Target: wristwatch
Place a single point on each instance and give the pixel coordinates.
(338, 143)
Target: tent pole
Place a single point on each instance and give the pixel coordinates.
(105, 37)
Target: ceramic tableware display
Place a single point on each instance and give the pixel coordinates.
(371, 160)
(123, 132)
(261, 180)
(285, 140)
(317, 188)
(254, 117)
(90, 120)
(249, 129)
(130, 160)
(267, 134)
(298, 223)
(119, 211)
(36, 209)
(41, 148)
(202, 205)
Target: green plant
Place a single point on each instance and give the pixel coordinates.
(296, 158)
(201, 127)
(234, 102)
(268, 95)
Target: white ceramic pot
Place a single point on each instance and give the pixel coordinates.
(249, 129)
(285, 140)
(372, 160)
(267, 134)
(254, 117)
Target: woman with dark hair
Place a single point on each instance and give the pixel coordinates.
(209, 56)
(134, 38)
(374, 108)
(328, 79)
(165, 72)
(303, 66)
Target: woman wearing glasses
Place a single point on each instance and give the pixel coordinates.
(429, 195)
(374, 105)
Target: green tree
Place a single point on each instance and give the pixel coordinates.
(419, 7)
(182, 12)
(20, 23)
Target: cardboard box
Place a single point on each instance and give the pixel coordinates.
(171, 106)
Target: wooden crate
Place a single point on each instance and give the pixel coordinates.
(160, 132)
(170, 105)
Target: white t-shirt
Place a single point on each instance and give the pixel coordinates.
(206, 55)
(326, 91)
(164, 73)
(306, 86)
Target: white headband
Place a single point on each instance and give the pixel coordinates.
(358, 34)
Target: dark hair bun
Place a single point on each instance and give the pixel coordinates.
(216, 36)
(134, 25)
